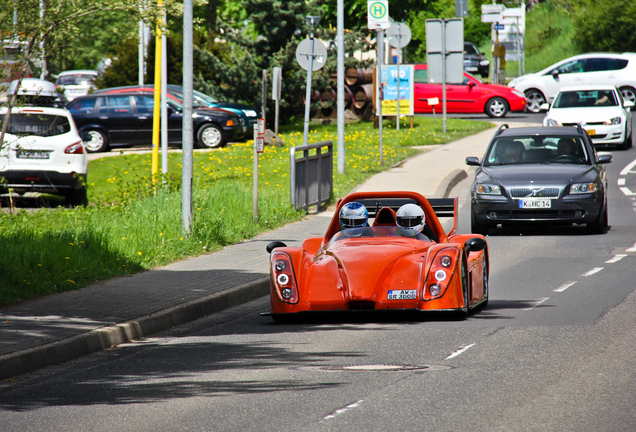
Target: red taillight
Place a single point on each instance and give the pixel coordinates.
(440, 273)
(283, 278)
(77, 148)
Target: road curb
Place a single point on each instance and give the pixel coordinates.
(106, 337)
(449, 182)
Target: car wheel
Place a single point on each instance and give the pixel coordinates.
(627, 143)
(534, 100)
(98, 141)
(485, 280)
(496, 107)
(600, 225)
(465, 286)
(210, 136)
(628, 93)
(476, 227)
(76, 197)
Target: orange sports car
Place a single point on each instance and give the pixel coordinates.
(382, 251)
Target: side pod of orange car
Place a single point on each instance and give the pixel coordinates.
(395, 257)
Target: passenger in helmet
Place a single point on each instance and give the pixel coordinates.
(410, 221)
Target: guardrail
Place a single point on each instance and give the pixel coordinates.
(311, 174)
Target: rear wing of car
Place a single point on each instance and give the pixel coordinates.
(443, 207)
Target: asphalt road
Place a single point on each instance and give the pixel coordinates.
(554, 350)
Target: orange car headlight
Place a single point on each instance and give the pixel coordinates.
(440, 273)
(283, 277)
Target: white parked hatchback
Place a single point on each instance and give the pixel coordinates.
(594, 68)
(42, 151)
(600, 110)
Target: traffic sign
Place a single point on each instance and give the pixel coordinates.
(499, 26)
(304, 53)
(378, 14)
(399, 35)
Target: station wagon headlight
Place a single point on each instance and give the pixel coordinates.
(613, 121)
(487, 189)
(582, 188)
(552, 122)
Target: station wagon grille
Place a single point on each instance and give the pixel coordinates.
(535, 192)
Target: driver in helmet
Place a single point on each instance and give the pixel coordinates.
(410, 221)
(354, 220)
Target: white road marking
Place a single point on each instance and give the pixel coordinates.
(625, 190)
(616, 258)
(593, 271)
(621, 181)
(632, 249)
(343, 410)
(628, 168)
(537, 303)
(460, 351)
(565, 286)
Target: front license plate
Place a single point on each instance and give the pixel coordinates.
(470, 69)
(402, 295)
(32, 154)
(535, 203)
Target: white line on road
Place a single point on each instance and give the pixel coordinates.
(625, 190)
(460, 351)
(593, 271)
(628, 168)
(616, 258)
(632, 249)
(565, 286)
(537, 303)
(343, 410)
(621, 181)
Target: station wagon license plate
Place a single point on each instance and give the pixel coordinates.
(32, 154)
(535, 203)
(402, 295)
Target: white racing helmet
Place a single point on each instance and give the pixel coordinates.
(410, 219)
(353, 215)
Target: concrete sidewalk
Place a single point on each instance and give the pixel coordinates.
(66, 326)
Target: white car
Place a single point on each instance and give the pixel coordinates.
(601, 111)
(42, 151)
(76, 83)
(595, 68)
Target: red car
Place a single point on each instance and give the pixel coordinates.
(471, 96)
(380, 266)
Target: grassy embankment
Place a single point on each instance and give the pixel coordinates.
(128, 229)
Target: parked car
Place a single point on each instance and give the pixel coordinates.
(381, 265)
(475, 61)
(594, 68)
(126, 119)
(470, 96)
(42, 151)
(540, 175)
(32, 92)
(600, 109)
(76, 83)
(200, 100)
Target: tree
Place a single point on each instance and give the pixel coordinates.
(606, 25)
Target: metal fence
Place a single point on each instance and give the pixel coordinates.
(311, 174)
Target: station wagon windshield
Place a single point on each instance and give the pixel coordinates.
(538, 149)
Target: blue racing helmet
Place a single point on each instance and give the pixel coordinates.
(353, 215)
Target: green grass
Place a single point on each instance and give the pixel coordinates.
(130, 226)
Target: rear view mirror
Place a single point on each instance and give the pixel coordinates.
(472, 160)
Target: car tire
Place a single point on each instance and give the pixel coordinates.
(600, 225)
(628, 93)
(210, 136)
(476, 227)
(98, 142)
(534, 100)
(627, 143)
(76, 197)
(485, 279)
(497, 107)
